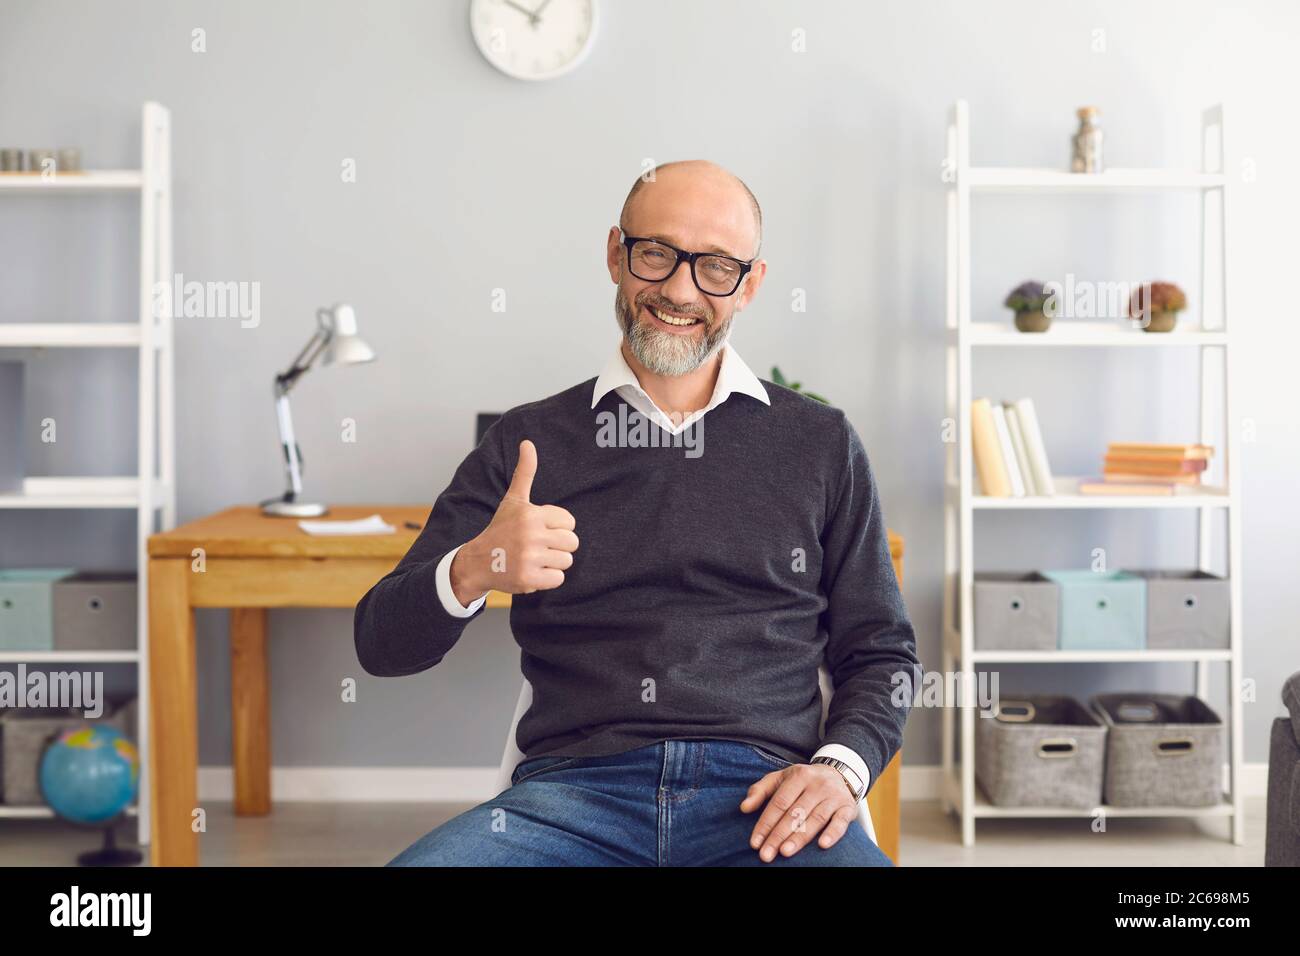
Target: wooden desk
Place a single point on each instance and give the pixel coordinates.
(241, 560)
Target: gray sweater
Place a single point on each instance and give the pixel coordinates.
(711, 581)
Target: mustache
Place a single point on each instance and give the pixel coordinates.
(703, 316)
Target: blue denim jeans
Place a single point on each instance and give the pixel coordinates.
(673, 803)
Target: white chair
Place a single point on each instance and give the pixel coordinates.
(513, 756)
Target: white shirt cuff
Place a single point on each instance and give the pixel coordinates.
(446, 595)
(850, 757)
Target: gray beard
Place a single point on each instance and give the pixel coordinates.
(662, 352)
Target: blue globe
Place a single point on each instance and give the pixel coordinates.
(90, 774)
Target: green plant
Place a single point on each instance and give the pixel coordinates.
(1027, 297)
(1165, 297)
(779, 379)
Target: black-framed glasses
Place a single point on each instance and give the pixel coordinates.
(713, 274)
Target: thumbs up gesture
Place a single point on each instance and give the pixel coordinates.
(525, 548)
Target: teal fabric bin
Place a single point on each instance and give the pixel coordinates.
(1101, 610)
(27, 608)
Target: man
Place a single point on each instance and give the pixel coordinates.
(673, 652)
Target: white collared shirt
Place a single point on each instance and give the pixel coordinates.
(733, 376)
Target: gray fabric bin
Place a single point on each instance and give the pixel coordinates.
(95, 612)
(24, 732)
(1186, 610)
(1040, 751)
(1161, 750)
(1016, 612)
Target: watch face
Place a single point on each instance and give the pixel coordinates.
(533, 39)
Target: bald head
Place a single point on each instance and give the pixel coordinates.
(672, 181)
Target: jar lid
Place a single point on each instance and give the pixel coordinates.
(1087, 112)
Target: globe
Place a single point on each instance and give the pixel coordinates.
(90, 774)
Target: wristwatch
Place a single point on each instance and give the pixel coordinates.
(856, 786)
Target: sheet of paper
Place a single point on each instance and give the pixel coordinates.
(372, 525)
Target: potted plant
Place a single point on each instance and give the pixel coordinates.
(779, 379)
(1156, 305)
(1028, 301)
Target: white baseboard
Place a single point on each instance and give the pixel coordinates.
(475, 784)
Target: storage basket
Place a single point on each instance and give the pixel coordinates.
(1040, 751)
(1161, 750)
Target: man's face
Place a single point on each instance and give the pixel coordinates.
(697, 212)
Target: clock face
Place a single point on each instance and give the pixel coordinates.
(533, 39)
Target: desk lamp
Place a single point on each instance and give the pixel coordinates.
(335, 342)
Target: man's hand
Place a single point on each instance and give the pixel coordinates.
(806, 799)
(525, 548)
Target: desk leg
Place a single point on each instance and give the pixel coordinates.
(250, 710)
(173, 715)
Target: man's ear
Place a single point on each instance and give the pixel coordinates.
(613, 255)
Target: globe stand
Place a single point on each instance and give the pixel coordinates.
(110, 854)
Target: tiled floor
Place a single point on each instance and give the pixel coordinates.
(333, 834)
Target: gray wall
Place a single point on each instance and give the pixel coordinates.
(469, 181)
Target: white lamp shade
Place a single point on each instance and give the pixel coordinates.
(345, 346)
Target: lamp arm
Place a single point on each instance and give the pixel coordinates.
(288, 442)
(305, 359)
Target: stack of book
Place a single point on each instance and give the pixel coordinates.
(1010, 459)
(1134, 468)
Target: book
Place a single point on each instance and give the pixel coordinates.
(1154, 466)
(1188, 479)
(1008, 452)
(1098, 486)
(1159, 451)
(1018, 445)
(992, 471)
(1034, 448)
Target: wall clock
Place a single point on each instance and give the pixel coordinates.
(533, 39)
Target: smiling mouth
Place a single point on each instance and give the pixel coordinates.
(672, 320)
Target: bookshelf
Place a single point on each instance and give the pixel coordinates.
(965, 341)
(151, 492)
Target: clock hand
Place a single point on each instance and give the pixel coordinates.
(537, 14)
(532, 17)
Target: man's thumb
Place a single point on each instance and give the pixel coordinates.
(521, 485)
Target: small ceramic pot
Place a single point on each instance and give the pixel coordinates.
(1033, 321)
(1161, 322)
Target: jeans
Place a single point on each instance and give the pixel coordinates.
(672, 803)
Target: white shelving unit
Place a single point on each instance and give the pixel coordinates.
(965, 341)
(151, 492)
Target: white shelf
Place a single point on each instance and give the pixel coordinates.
(1099, 334)
(1099, 657)
(44, 812)
(967, 341)
(151, 491)
(102, 180)
(1067, 496)
(70, 335)
(76, 657)
(983, 808)
(952, 639)
(1028, 179)
(81, 493)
